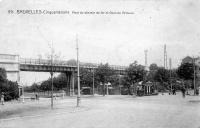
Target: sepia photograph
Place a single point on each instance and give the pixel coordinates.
(99, 64)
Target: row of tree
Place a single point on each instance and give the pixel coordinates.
(103, 74)
(134, 73)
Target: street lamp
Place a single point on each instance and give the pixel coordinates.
(194, 80)
(51, 47)
(93, 82)
(78, 74)
(22, 93)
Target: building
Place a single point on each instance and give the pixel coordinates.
(195, 61)
(11, 64)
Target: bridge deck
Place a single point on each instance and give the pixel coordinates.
(44, 65)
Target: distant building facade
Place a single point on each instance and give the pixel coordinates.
(187, 59)
(11, 64)
(195, 61)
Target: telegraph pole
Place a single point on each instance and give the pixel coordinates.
(166, 61)
(93, 82)
(73, 83)
(170, 67)
(51, 77)
(22, 93)
(78, 74)
(145, 52)
(194, 80)
(165, 57)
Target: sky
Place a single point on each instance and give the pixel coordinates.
(118, 39)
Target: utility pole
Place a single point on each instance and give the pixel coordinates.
(93, 82)
(145, 52)
(78, 74)
(165, 57)
(194, 80)
(73, 83)
(166, 61)
(170, 67)
(18, 78)
(107, 89)
(51, 77)
(119, 85)
(22, 93)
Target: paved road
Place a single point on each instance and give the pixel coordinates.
(162, 111)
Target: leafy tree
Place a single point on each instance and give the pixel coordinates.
(185, 71)
(3, 79)
(45, 85)
(103, 74)
(9, 88)
(3, 75)
(153, 67)
(135, 73)
(86, 77)
(162, 75)
(115, 80)
(35, 87)
(60, 81)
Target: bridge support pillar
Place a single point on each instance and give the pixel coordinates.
(70, 83)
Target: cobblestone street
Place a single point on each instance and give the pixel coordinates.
(162, 111)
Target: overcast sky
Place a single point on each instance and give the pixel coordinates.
(116, 39)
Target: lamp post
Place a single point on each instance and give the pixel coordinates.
(194, 80)
(93, 82)
(51, 73)
(170, 69)
(51, 78)
(78, 74)
(22, 93)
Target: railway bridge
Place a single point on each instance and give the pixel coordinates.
(14, 64)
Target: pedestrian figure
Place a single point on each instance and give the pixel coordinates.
(174, 91)
(2, 99)
(36, 96)
(183, 92)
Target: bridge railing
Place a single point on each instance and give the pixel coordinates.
(55, 63)
(64, 63)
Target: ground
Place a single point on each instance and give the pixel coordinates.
(162, 111)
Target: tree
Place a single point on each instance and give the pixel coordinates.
(9, 88)
(162, 75)
(35, 87)
(103, 74)
(3, 79)
(185, 71)
(86, 77)
(3, 75)
(12, 91)
(153, 68)
(45, 85)
(135, 73)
